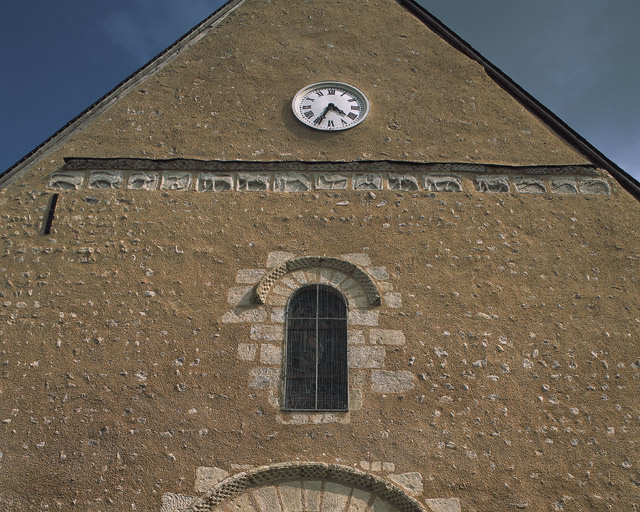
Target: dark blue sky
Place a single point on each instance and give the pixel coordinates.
(580, 58)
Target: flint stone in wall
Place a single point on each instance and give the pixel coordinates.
(65, 181)
(564, 186)
(529, 185)
(412, 482)
(365, 357)
(292, 182)
(143, 181)
(403, 182)
(594, 186)
(214, 183)
(264, 378)
(442, 183)
(206, 478)
(444, 505)
(331, 182)
(384, 381)
(111, 180)
(492, 184)
(367, 182)
(175, 181)
(253, 182)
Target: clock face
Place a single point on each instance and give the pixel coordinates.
(330, 106)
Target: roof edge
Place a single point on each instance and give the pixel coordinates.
(159, 61)
(562, 129)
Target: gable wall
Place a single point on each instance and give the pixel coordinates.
(228, 96)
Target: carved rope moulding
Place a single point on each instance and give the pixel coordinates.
(266, 283)
(304, 471)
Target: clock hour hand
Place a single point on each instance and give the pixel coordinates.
(321, 117)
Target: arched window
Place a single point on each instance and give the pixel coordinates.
(316, 351)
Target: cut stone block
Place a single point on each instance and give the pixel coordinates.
(383, 381)
(207, 477)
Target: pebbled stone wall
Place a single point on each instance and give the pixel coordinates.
(503, 352)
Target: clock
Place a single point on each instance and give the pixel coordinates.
(330, 106)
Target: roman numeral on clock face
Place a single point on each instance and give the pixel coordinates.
(352, 116)
(330, 123)
(308, 115)
(306, 107)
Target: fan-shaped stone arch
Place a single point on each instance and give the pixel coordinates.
(300, 486)
(346, 267)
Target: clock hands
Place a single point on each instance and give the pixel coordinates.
(329, 107)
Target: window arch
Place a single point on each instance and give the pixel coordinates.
(316, 350)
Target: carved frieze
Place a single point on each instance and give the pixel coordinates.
(105, 179)
(143, 181)
(292, 182)
(65, 181)
(564, 186)
(594, 186)
(442, 183)
(528, 185)
(210, 176)
(492, 184)
(208, 182)
(253, 181)
(331, 181)
(406, 182)
(175, 181)
(367, 182)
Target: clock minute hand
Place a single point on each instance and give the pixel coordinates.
(335, 109)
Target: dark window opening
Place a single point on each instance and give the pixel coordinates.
(316, 353)
(51, 210)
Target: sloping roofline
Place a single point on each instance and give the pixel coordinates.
(556, 124)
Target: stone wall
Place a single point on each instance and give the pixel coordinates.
(500, 367)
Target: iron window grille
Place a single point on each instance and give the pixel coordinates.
(316, 377)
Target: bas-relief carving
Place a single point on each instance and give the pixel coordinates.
(175, 181)
(66, 181)
(143, 181)
(564, 186)
(253, 181)
(102, 179)
(367, 182)
(442, 183)
(215, 183)
(292, 182)
(594, 186)
(492, 184)
(331, 182)
(403, 182)
(529, 185)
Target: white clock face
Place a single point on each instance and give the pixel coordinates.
(330, 106)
